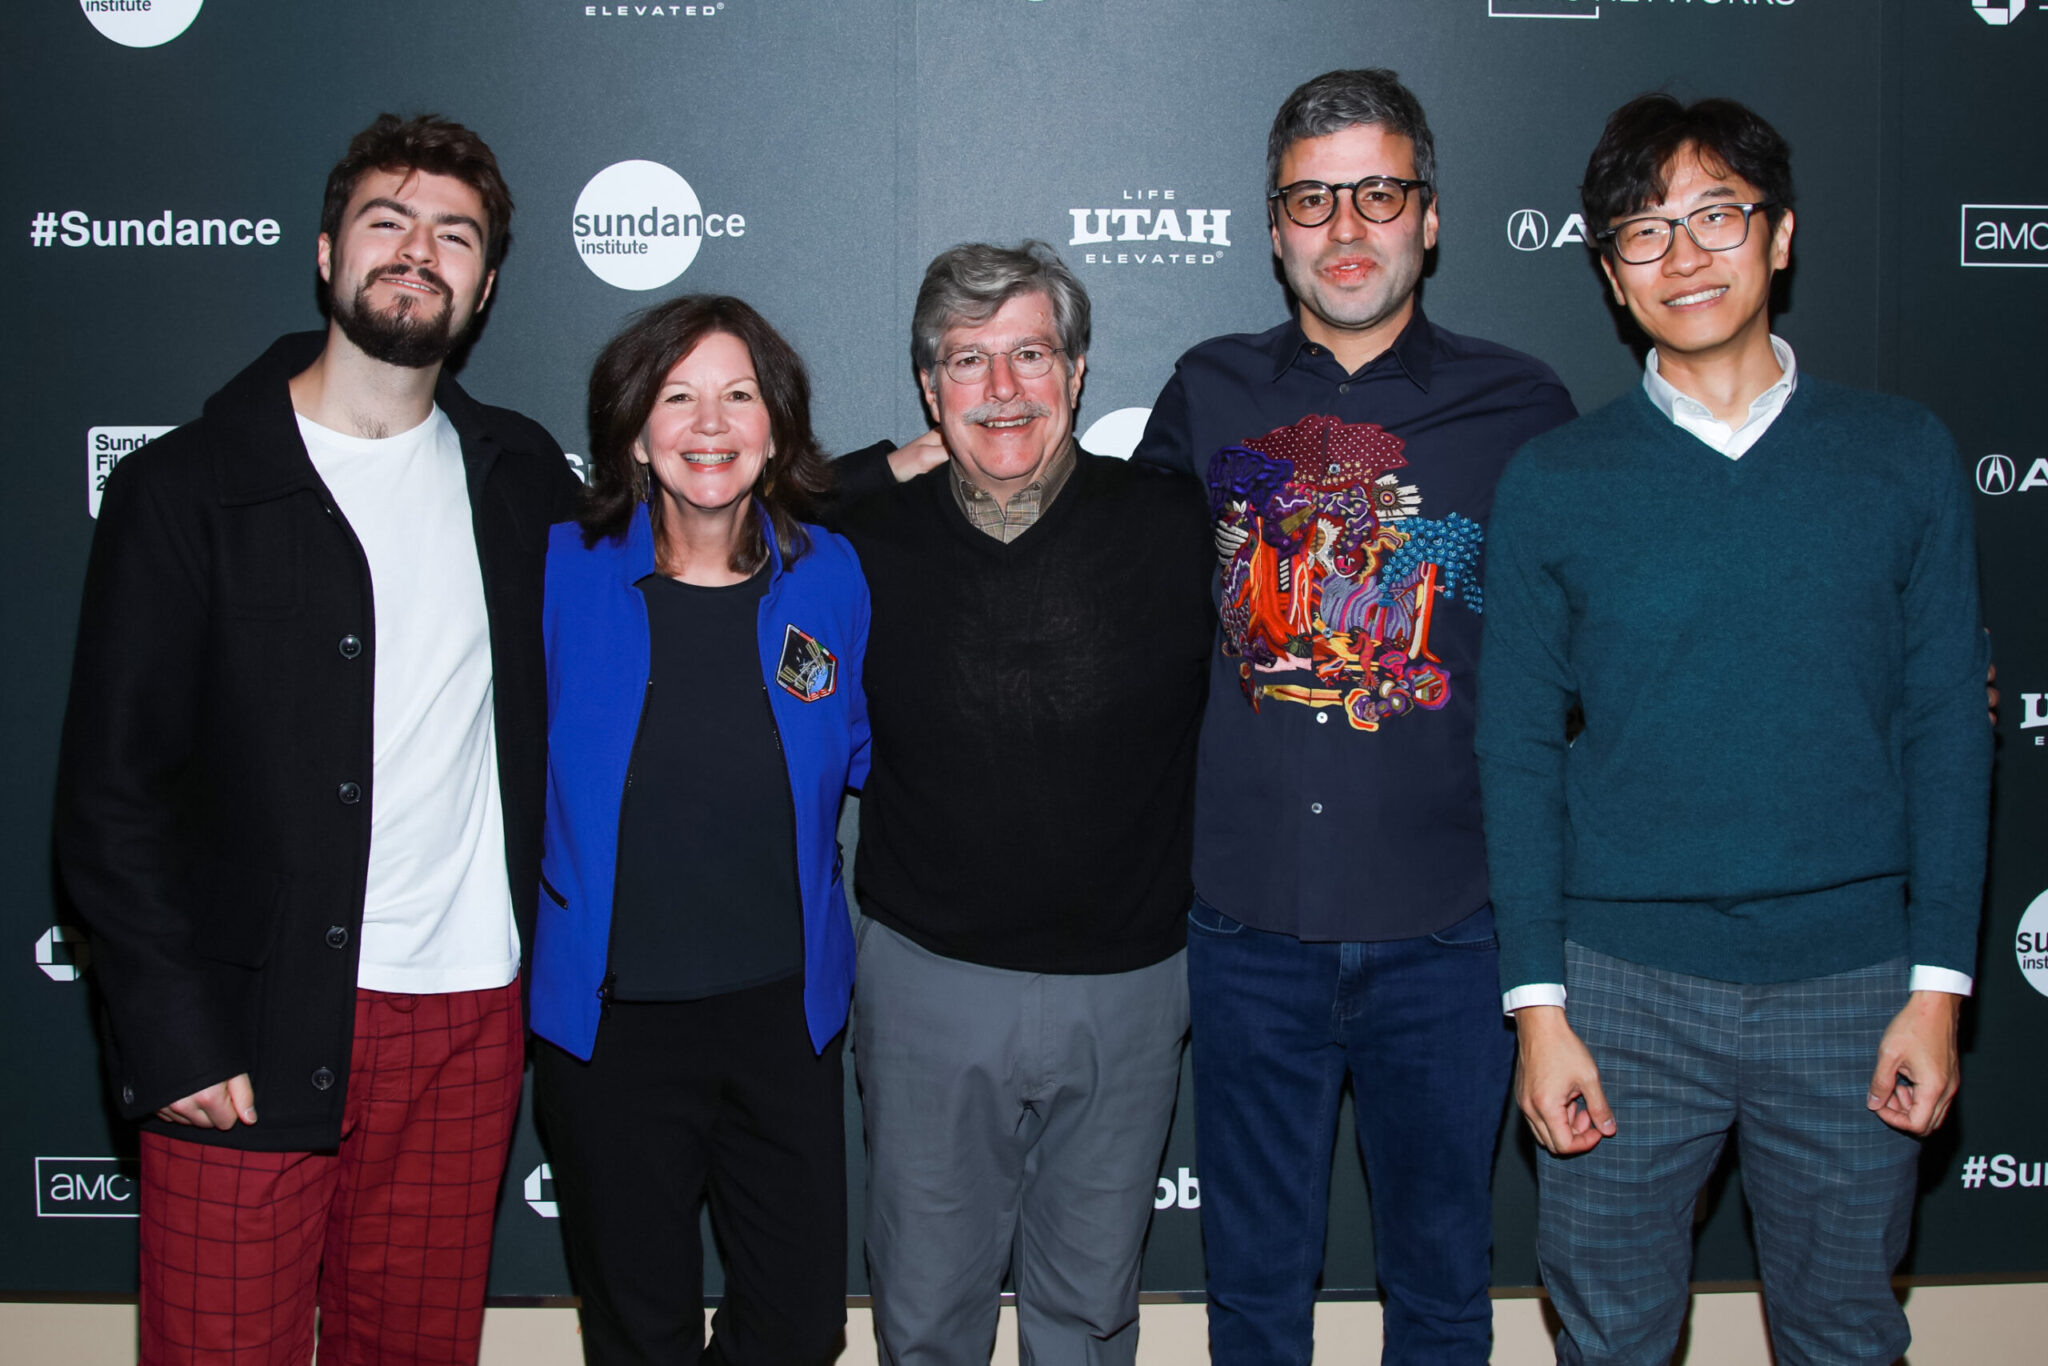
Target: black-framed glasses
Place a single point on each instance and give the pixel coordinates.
(1377, 199)
(1032, 360)
(1712, 227)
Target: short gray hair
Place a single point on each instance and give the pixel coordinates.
(1337, 100)
(970, 282)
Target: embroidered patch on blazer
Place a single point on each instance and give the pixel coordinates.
(808, 671)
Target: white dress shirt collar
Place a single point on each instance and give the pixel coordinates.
(1695, 417)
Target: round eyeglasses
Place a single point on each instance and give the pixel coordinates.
(1377, 199)
(1032, 360)
(1713, 227)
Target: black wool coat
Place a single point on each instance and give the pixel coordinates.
(214, 784)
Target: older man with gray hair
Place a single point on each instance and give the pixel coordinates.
(1035, 673)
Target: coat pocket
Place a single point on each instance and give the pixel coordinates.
(235, 912)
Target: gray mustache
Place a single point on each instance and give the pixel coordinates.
(997, 412)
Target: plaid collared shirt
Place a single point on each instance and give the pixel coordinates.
(1006, 521)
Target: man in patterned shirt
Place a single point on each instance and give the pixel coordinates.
(1342, 926)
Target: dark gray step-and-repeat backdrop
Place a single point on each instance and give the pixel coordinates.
(167, 157)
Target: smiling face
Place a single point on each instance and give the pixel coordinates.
(707, 439)
(1704, 306)
(407, 276)
(1003, 430)
(1355, 280)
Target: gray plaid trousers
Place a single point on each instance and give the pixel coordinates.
(1787, 1066)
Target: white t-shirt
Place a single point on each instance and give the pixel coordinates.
(437, 912)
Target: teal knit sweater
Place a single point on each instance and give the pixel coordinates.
(1785, 766)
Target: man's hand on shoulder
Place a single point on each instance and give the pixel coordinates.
(1557, 1084)
(1918, 1069)
(915, 457)
(219, 1106)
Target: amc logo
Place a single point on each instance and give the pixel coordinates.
(85, 1187)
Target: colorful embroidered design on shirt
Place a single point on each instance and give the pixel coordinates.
(807, 670)
(1331, 576)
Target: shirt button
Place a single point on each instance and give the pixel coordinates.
(127, 1095)
(1322, 718)
(1343, 388)
(323, 1079)
(1316, 807)
(350, 646)
(349, 793)
(337, 937)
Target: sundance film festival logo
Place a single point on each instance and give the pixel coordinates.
(2030, 944)
(1529, 230)
(2005, 235)
(1999, 13)
(141, 23)
(106, 447)
(1161, 231)
(639, 225)
(1590, 9)
(85, 1187)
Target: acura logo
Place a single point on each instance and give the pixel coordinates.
(1994, 474)
(1528, 230)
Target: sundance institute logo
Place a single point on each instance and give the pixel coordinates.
(639, 225)
(141, 23)
(2030, 944)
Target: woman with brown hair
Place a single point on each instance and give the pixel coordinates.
(693, 958)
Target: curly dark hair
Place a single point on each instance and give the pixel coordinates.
(624, 384)
(1626, 173)
(429, 143)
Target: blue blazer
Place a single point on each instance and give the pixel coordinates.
(595, 626)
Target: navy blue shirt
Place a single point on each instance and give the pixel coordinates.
(1338, 796)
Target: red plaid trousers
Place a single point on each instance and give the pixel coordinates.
(391, 1233)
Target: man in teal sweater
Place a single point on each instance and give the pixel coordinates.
(1755, 872)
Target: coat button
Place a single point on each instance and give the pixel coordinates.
(322, 1079)
(127, 1095)
(337, 937)
(350, 646)
(349, 793)
(1316, 807)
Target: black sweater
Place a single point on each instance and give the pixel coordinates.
(1035, 709)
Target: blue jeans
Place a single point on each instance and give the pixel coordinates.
(1278, 1026)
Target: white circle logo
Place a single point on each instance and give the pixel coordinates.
(638, 225)
(141, 23)
(1116, 434)
(1528, 229)
(2030, 945)
(1994, 475)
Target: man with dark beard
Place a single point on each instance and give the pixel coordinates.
(300, 794)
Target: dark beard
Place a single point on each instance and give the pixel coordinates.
(405, 338)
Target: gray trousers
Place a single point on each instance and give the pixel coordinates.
(1015, 1122)
(1830, 1188)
